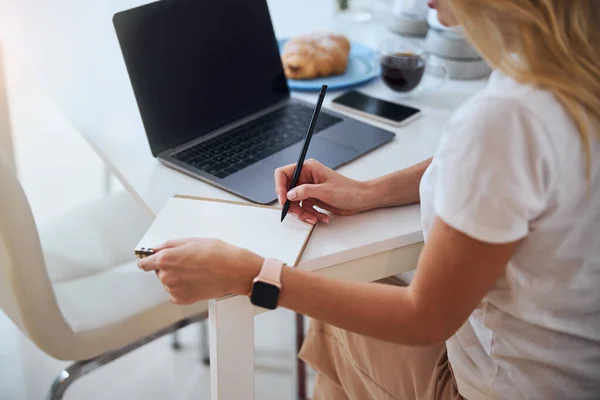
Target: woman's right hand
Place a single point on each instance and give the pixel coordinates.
(319, 186)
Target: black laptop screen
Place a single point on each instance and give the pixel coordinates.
(196, 65)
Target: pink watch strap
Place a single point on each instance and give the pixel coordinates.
(270, 272)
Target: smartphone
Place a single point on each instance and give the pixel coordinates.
(377, 109)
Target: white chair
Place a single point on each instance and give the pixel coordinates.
(73, 287)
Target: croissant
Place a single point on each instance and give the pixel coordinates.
(315, 56)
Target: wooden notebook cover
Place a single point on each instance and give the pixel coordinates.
(251, 226)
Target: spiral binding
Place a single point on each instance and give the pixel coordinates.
(144, 252)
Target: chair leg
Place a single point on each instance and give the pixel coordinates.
(204, 346)
(66, 377)
(175, 342)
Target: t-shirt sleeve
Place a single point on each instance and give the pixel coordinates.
(492, 170)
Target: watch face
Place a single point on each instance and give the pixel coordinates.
(265, 295)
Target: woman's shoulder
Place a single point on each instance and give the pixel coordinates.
(509, 110)
(505, 98)
(496, 165)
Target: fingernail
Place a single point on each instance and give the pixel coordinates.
(325, 219)
(292, 194)
(293, 213)
(311, 221)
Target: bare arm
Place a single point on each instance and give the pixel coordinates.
(453, 274)
(322, 187)
(396, 189)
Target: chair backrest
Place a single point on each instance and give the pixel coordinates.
(26, 293)
(70, 49)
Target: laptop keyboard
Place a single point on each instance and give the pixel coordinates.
(241, 147)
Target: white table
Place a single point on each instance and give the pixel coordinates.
(71, 47)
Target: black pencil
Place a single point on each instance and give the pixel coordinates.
(309, 134)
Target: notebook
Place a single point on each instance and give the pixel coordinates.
(253, 227)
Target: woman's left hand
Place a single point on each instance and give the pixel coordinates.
(200, 269)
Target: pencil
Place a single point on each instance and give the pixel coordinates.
(309, 134)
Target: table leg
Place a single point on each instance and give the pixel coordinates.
(231, 322)
(300, 367)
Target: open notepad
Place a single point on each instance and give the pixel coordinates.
(253, 227)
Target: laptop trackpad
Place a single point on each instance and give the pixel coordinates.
(324, 151)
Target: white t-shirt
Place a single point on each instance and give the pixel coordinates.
(510, 165)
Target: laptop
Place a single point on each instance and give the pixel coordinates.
(214, 101)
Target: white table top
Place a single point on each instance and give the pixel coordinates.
(75, 54)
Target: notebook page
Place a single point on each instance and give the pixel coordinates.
(255, 228)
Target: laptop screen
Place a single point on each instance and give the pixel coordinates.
(196, 65)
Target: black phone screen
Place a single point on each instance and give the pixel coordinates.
(371, 105)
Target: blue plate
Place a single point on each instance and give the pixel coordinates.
(361, 69)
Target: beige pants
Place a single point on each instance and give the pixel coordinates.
(351, 366)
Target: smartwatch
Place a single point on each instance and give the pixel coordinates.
(267, 285)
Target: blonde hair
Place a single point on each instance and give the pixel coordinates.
(557, 44)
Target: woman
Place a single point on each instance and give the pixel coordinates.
(505, 301)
